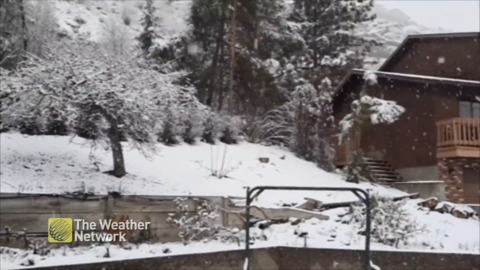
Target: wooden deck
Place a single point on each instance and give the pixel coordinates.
(458, 137)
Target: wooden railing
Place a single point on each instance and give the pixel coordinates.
(458, 132)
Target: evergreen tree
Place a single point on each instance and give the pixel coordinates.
(327, 28)
(256, 34)
(147, 35)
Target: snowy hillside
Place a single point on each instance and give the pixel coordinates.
(50, 164)
(96, 19)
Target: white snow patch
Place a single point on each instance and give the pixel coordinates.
(57, 164)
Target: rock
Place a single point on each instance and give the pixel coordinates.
(264, 159)
(62, 33)
(429, 203)
(459, 213)
(79, 20)
(296, 222)
(444, 208)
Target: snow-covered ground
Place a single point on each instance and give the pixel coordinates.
(53, 164)
(57, 164)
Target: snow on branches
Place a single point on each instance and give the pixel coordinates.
(371, 110)
(197, 219)
(127, 98)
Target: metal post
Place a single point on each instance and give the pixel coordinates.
(367, 233)
(247, 230)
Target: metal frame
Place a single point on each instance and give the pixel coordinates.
(256, 191)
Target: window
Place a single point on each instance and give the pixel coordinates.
(469, 109)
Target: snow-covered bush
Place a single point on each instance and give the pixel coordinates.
(231, 130)
(304, 124)
(212, 128)
(171, 129)
(194, 224)
(391, 224)
(193, 123)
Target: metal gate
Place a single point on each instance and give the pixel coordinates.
(256, 191)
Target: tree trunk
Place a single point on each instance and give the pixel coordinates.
(115, 143)
(232, 57)
(24, 25)
(117, 152)
(214, 79)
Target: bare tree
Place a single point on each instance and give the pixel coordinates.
(116, 41)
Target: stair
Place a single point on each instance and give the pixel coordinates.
(382, 171)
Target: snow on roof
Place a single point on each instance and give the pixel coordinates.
(420, 77)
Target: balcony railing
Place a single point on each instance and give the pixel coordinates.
(458, 132)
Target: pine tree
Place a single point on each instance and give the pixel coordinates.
(327, 28)
(240, 40)
(147, 35)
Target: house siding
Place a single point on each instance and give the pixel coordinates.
(410, 141)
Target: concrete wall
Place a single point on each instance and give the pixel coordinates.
(425, 189)
(419, 173)
(31, 212)
(283, 258)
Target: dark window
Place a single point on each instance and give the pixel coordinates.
(469, 109)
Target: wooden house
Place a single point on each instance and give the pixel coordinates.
(436, 78)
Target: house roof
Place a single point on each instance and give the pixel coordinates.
(411, 78)
(341, 90)
(413, 38)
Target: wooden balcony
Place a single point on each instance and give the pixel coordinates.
(458, 137)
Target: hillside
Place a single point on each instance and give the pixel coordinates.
(50, 164)
(96, 19)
